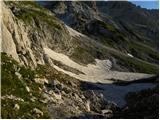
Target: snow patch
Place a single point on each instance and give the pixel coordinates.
(99, 72)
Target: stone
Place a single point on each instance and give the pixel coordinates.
(67, 90)
(63, 93)
(40, 89)
(57, 96)
(83, 97)
(60, 86)
(72, 84)
(12, 98)
(87, 105)
(37, 111)
(107, 111)
(55, 82)
(77, 97)
(51, 92)
(28, 89)
(33, 99)
(44, 101)
(18, 75)
(16, 107)
(41, 80)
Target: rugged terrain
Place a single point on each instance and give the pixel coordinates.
(55, 68)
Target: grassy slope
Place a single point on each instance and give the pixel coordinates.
(135, 64)
(12, 85)
(115, 38)
(30, 11)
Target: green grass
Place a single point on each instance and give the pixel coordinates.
(136, 64)
(12, 85)
(25, 110)
(82, 56)
(31, 12)
(106, 26)
(142, 50)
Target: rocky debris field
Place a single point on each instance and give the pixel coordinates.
(48, 93)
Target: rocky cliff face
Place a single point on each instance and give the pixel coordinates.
(25, 34)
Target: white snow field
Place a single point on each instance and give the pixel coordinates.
(99, 72)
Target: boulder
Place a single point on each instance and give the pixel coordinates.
(18, 75)
(28, 89)
(37, 111)
(41, 80)
(107, 111)
(55, 82)
(57, 96)
(16, 107)
(87, 105)
(77, 98)
(33, 99)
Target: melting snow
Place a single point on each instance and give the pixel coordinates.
(100, 72)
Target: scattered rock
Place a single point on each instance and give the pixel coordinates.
(40, 89)
(48, 98)
(67, 90)
(12, 98)
(77, 97)
(28, 89)
(72, 84)
(37, 111)
(55, 82)
(16, 107)
(63, 93)
(107, 111)
(60, 86)
(87, 105)
(41, 80)
(44, 101)
(33, 99)
(97, 101)
(57, 96)
(83, 97)
(18, 75)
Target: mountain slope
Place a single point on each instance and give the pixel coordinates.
(120, 25)
(51, 70)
